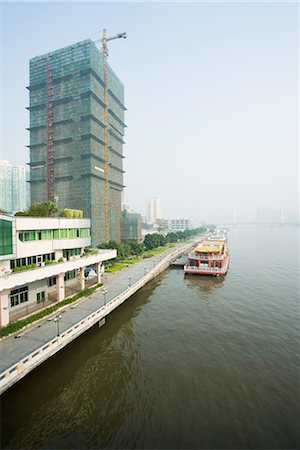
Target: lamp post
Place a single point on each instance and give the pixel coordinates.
(104, 292)
(57, 319)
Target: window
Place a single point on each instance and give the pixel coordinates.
(62, 233)
(84, 232)
(40, 297)
(18, 296)
(5, 237)
(31, 260)
(69, 275)
(51, 281)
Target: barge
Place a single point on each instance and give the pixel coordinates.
(210, 257)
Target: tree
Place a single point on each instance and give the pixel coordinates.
(46, 209)
(160, 224)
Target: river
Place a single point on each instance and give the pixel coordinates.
(186, 363)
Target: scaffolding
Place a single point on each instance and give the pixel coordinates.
(67, 135)
(49, 151)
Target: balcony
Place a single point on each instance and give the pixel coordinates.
(15, 279)
(206, 258)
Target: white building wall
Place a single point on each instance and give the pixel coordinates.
(33, 289)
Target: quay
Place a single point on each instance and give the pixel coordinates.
(23, 352)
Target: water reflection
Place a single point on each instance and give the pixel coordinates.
(181, 365)
(204, 284)
(76, 407)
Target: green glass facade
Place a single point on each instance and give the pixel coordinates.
(6, 244)
(78, 134)
(62, 233)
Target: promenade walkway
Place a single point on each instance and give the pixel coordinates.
(13, 349)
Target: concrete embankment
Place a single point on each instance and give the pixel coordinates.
(38, 343)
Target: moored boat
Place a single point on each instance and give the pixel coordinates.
(210, 257)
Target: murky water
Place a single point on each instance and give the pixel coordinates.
(187, 363)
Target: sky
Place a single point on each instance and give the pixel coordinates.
(211, 91)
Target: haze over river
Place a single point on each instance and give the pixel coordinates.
(188, 362)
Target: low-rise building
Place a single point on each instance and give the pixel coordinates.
(179, 224)
(42, 261)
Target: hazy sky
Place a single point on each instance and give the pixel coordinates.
(211, 91)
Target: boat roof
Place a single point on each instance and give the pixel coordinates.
(209, 246)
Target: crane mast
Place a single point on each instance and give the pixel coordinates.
(105, 39)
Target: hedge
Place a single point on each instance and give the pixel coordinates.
(17, 325)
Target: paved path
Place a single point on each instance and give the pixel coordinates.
(14, 349)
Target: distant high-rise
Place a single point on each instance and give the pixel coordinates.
(67, 135)
(154, 210)
(5, 186)
(13, 187)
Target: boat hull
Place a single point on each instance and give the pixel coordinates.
(212, 273)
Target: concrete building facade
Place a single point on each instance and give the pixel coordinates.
(179, 224)
(40, 258)
(67, 134)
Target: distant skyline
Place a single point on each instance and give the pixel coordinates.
(211, 91)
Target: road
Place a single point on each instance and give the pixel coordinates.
(13, 349)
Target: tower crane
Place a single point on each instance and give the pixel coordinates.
(104, 41)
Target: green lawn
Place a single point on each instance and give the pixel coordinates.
(115, 267)
(155, 251)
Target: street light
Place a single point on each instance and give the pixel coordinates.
(129, 281)
(57, 319)
(104, 292)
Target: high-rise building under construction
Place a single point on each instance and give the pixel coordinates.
(68, 161)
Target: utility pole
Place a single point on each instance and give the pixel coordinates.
(105, 39)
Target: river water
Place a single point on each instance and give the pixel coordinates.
(187, 363)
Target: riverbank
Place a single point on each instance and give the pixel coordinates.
(40, 341)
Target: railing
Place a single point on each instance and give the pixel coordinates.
(206, 258)
(32, 360)
(205, 269)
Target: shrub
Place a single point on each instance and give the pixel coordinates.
(19, 269)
